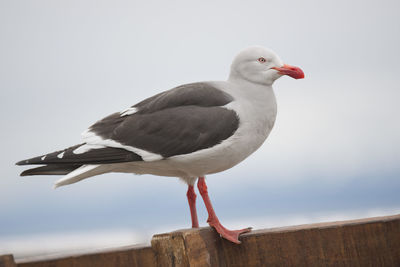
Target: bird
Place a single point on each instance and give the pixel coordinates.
(190, 131)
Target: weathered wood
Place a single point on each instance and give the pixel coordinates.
(7, 261)
(365, 242)
(128, 256)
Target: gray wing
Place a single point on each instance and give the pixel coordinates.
(179, 121)
(192, 94)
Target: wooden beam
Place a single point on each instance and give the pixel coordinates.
(7, 261)
(133, 256)
(365, 242)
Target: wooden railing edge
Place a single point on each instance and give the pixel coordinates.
(369, 241)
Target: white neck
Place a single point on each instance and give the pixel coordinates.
(257, 93)
(237, 77)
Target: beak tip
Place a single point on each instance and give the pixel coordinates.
(292, 71)
(301, 75)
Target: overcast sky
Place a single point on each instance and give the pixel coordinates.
(334, 150)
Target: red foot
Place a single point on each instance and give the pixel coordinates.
(231, 235)
(213, 221)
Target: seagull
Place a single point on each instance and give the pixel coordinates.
(188, 132)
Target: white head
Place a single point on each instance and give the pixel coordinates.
(260, 65)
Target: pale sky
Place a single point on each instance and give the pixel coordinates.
(335, 147)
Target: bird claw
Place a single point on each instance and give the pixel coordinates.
(231, 235)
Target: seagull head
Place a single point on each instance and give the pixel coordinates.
(260, 65)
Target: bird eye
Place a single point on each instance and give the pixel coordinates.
(262, 60)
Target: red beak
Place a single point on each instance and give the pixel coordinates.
(292, 71)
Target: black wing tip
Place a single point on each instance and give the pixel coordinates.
(22, 162)
(52, 169)
(24, 173)
(29, 172)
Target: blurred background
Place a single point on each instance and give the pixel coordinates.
(333, 154)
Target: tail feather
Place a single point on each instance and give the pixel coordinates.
(83, 172)
(53, 169)
(78, 162)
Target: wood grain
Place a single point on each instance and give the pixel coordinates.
(129, 256)
(7, 261)
(365, 242)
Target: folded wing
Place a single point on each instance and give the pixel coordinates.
(176, 122)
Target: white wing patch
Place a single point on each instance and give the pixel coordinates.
(61, 155)
(94, 141)
(86, 148)
(128, 111)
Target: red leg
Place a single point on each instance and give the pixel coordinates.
(213, 219)
(191, 195)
